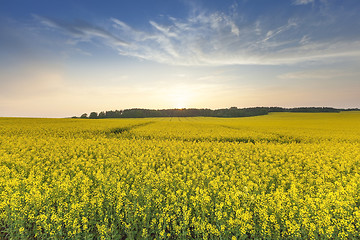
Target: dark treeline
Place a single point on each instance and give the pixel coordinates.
(194, 112)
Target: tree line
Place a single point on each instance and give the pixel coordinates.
(204, 112)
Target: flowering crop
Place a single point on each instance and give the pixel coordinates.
(284, 175)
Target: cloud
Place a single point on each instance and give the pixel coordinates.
(217, 39)
(206, 38)
(203, 39)
(272, 33)
(81, 31)
(302, 2)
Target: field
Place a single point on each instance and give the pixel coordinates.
(283, 175)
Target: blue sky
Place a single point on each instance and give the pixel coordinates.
(64, 58)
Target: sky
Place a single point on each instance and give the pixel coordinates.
(65, 58)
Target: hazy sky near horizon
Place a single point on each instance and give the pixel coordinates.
(64, 58)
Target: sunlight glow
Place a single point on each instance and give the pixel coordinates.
(180, 97)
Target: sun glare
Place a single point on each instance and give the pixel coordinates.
(180, 98)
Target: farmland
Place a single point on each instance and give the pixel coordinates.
(283, 175)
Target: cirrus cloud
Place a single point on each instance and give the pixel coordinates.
(218, 38)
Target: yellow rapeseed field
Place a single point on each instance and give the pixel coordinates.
(279, 176)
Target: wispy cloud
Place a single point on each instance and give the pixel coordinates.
(81, 31)
(302, 2)
(203, 39)
(216, 38)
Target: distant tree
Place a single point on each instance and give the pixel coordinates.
(102, 115)
(113, 114)
(93, 115)
(193, 112)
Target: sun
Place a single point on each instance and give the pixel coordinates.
(180, 101)
(180, 98)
